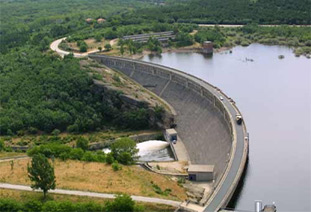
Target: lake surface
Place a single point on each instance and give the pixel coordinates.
(274, 96)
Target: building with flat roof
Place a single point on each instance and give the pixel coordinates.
(170, 135)
(201, 172)
(207, 47)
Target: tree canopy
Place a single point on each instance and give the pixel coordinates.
(124, 150)
(41, 173)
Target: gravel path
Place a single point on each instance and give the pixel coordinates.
(91, 194)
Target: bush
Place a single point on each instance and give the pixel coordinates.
(108, 47)
(98, 37)
(83, 48)
(89, 156)
(55, 132)
(82, 143)
(76, 154)
(109, 158)
(2, 146)
(136, 119)
(115, 166)
(10, 205)
(125, 158)
(33, 206)
(32, 130)
(7, 205)
(122, 203)
(50, 150)
(101, 157)
(64, 156)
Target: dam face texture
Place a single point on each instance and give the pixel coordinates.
(203, 122)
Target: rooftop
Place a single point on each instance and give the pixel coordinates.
(201, 168)
(171, 131)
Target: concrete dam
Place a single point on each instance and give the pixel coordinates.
(205, 121)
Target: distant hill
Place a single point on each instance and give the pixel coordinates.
(230, 12)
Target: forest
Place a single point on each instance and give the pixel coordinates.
(226, 12)
(41, 92)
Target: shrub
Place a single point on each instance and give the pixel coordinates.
(108, 47)
(76, 154)
(125, 158)
(89, 156)
(83, 48)
(7, 205)
(101, 157)
(115, 166)
(109, 158)
(32, 130)
(2, 146)
(82, 143)
(158, 111)
(64, 156)
(181, 181)
(55, 132)
(49, 150)
(116, 78)
(98, 37)
(33, 206)
(122, 203)
(10, 205)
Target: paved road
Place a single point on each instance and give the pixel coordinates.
(91, 194)
(62, 53)
(13, 158)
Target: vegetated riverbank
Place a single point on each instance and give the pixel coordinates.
(224, 38)
(299, 38)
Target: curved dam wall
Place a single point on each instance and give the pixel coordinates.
(205, 123)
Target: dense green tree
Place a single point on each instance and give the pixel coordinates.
(41, 173)
(124, 150)
(108, 47)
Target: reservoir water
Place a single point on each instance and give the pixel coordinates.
(274, 96)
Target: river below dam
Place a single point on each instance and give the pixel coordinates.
(274, 96)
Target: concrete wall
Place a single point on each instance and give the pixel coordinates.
(202, 121)
(202, 176)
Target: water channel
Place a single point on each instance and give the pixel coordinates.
(274, 96)
(152, 150)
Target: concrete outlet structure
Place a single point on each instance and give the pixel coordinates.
(201, 172)
(171, 135)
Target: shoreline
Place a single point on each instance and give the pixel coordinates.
(171, 50)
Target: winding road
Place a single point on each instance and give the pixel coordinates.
(91, 194)
(54, 46)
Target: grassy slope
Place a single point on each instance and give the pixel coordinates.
(97, 177)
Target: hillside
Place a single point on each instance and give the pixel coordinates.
(228, 12)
